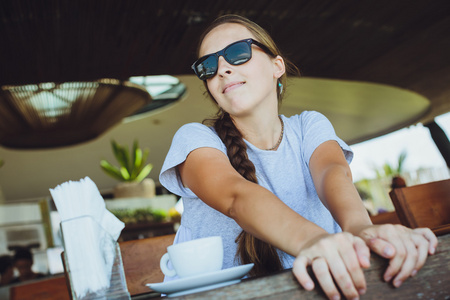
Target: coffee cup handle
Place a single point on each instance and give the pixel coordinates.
(164, 268)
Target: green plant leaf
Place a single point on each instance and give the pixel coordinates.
(121, 154)
(401, 160)
(134, 157)
(145, 171)
(143, 160)
(378, 173)
(141, 170)
(388, 171)
(138, 162)
(125, 174)
(111, 170)
(130, 168)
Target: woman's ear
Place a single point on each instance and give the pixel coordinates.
(279, 67)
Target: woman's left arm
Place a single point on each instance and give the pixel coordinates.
(407, 249)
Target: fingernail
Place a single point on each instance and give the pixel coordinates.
(397, 283)
(432, 250)
(362, 291)
(413, 273)
(388, 251)
(366, 260)
(387, 278)
(309, 285)
(336, 297)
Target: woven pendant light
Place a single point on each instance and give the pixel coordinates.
(48, 115)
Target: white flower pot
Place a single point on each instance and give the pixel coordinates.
(143, 189)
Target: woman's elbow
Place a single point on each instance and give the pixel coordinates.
(232, 210)
(237, 203)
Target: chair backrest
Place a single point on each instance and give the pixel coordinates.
(141, 261)
(424, 205)
(46, 288)
(386, 218)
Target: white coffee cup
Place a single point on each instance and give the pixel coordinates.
(194, 257)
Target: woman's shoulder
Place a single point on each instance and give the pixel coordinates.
(194, 129)
(196, 134)
(306, 114)
(194, 126)
(305, 118)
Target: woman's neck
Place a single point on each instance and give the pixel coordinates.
(263, 133)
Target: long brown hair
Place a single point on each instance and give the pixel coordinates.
(250, 249)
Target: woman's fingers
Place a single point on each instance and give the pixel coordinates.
(406, 248)
(381, 247)
(363, 252)
(422, 250)
(349, 274)
(335, 261)
(407, 261)
(388, 242)
(430, 237)
(322, 272)
(403, 248)
(425, 242)
(300, 272)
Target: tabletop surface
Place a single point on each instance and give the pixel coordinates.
(431, 282)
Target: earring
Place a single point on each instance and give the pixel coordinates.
(280, 85)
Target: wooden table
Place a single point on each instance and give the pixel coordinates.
(432, 282)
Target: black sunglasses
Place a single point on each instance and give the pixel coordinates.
(235, 54)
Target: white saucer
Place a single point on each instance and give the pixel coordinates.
(204, 288)
(202, 281)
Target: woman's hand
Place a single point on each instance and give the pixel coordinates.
(334, 258)
(407, 249)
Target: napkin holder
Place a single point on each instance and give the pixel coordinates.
(92, 261)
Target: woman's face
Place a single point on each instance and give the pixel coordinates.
(244, 89)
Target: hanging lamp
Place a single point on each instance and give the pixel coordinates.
(49, 115)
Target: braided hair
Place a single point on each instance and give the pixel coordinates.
(250, 249)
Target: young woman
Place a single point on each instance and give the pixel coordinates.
(278, 190)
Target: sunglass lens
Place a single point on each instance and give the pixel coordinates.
(238, 53)
(207, 67)
(235, 54)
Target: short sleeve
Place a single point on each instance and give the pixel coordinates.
(188, 138)
(317, 129)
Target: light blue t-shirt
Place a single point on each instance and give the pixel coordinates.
(284, 172)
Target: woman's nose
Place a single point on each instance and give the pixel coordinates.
(223, 67)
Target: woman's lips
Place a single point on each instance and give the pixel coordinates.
(232, 86)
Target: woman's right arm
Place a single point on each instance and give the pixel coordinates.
(209, 174)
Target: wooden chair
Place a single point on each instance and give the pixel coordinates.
(384, 218)
(140, 260)
(54, 288)
(424, 205)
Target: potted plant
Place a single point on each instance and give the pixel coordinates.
(395, 173)
(132, 172)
